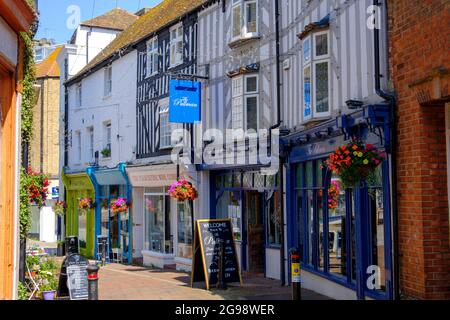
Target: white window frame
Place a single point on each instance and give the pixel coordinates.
(152, 57)
(155, 194)
(315, 35)
(242, 97)
(314, 60)
(307, 117)
(176, 59)
(243, 22)
(305, 41)
(107, 81)
(169, 127)
(78, 95)
(108, 140)
(91, 153)
(79, 150)
(314, 92)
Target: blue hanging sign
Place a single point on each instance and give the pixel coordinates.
(185, 101)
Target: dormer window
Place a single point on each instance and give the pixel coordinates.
(244, 15)
(152, 57)
(176, 45)
(316, 75)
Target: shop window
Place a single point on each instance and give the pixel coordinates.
(337, 235)
(376, 223)
(152, 57)
(184, 230)
(274, 219)
(244, 15)
(176, 45)
(158, 236)
(229, 206)
(316, 76)
(82, 231)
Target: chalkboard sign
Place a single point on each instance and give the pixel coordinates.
(77, 277)
(208, 235)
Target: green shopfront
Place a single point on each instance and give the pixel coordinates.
(78, 222)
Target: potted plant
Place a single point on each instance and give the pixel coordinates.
(119, 205)
(354, 162)
(106, 153)
(85, 204)
(60, 208)
(183, 190)
(48, 286)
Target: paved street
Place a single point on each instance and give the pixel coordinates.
(122, 282)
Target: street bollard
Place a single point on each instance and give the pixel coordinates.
(92, 270)
(296, 274)
(221, 281)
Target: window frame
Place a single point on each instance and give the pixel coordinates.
(178, 60)
(243, 19)
(108, 140)
(313, 61)
(78, 95)
(242, 96)
(107, 85)
(153, 52)
(91, 153)
(166, 211)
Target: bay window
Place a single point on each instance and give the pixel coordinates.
(176, 45)
(245, 102)
(244, 15)
(316, 76)
(152, 57)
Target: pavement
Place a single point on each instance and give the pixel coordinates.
(125, 282)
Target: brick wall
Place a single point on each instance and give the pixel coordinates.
(419, 52)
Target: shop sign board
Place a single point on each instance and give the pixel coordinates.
(208, 235)
(185, 101)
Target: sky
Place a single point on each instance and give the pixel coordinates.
(59, 18)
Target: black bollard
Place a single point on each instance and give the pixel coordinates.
(221, 284)
(296, 274)
(92, 270)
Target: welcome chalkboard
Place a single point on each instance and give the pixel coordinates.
(77, 277)
(208, 235)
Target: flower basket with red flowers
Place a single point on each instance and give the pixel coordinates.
(37, 187)
(183, 190)
(354, 162)
(119, 205)
(60, 208)
(85, 204)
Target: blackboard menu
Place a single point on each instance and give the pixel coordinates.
(208, 235)
(77, 277)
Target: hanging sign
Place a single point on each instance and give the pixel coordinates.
(185, 101)
(208, 235)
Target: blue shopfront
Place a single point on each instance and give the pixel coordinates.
(344, 234)
(110, 185)
(251, 199)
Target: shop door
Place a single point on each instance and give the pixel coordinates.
(255, 232)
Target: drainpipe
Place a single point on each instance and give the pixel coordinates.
(280, 170)
(392, 101)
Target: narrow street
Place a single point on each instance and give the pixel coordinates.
(123, 282)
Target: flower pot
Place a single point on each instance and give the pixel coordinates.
(49, 295)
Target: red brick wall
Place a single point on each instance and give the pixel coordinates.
(420, 42)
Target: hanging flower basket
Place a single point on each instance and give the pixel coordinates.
(119, 205)
(85, 204)
(37, 185)
(60, 208)
(183, 190)
(354, 162)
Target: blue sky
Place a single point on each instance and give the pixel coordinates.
(53, 14)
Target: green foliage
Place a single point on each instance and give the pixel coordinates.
(22, 292)
(28, 94)
(33, 189)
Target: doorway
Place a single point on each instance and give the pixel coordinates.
(255, 231)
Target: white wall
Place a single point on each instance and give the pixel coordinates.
(119, 108)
